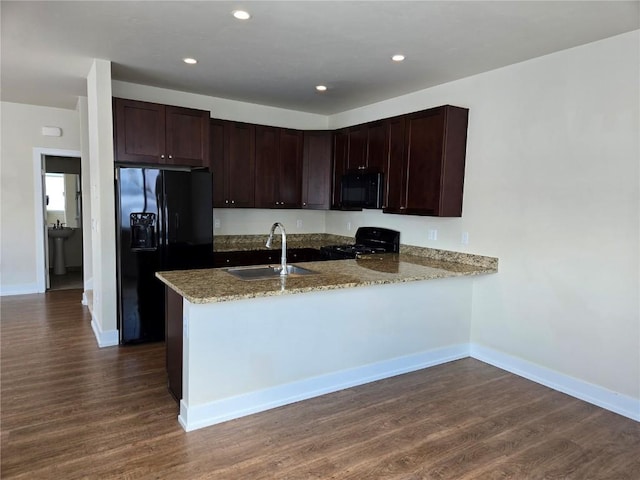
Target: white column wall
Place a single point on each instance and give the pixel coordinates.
(100, 133)
(87, 233)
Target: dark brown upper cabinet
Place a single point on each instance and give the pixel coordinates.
(278, 174)
(357, 147)
(340, 164)
(376, 148)
(232, 163)
(427, 177)
(151, 133)
(395, 161)
(316, 170)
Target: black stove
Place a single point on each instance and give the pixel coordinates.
(369, 240)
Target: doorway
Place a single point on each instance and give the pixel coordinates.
(63, 210)
(58, 201)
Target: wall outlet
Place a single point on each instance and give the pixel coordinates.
(216, 223)
(432, 234)
(464, 238)
(298, 223)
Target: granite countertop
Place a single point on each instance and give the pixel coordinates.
(411, 264)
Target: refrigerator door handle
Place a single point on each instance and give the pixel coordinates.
(165, 220)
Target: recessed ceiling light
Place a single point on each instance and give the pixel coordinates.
(321, 88)
(190, 61)
(398, 58)
(241, 14)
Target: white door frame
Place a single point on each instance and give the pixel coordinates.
(42, 267)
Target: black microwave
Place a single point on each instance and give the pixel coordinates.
(361, 190)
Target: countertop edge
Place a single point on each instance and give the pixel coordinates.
(348, 281)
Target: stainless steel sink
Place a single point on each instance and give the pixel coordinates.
(263, 272)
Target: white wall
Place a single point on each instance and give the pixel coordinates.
(250, 355)
(234, 221)
(20, 133)
(552, 189)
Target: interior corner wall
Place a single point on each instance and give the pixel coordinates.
(551, 189)
(21, 132)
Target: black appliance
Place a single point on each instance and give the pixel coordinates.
(369, 240)
(164, 221)
(361, 190)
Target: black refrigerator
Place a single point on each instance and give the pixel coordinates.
(164, 222)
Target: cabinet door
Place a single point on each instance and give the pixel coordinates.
(316, 170)
(376, 151)
(290, 169)
(340, 152)
(187, 137)
(453, 162)
(217, 163)
(240, 160)
(424, 141)
(267, 170)
(395, 165)
(357, 153)
(139, 131)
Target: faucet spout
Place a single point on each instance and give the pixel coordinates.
(283, 258)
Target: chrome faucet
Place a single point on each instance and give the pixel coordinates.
(283, 259)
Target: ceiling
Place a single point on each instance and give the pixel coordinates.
(278, 56)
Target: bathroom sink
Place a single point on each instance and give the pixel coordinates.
(263, 272)
(63, 232)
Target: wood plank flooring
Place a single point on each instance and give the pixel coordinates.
(70, 410)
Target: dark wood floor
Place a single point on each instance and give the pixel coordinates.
(71, 410)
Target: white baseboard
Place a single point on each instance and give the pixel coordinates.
(109, 338)
(19, 289)
(199, 416)
(621, 404)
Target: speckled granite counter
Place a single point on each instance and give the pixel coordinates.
(411, 264)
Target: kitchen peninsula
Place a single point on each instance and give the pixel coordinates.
(248, 346)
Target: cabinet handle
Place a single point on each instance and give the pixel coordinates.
(304, 204)
(233, 201)
(170, 156)
(226, 201)
(161, 156)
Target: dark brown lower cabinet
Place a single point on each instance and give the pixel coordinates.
(173, 338)
(241, 258)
